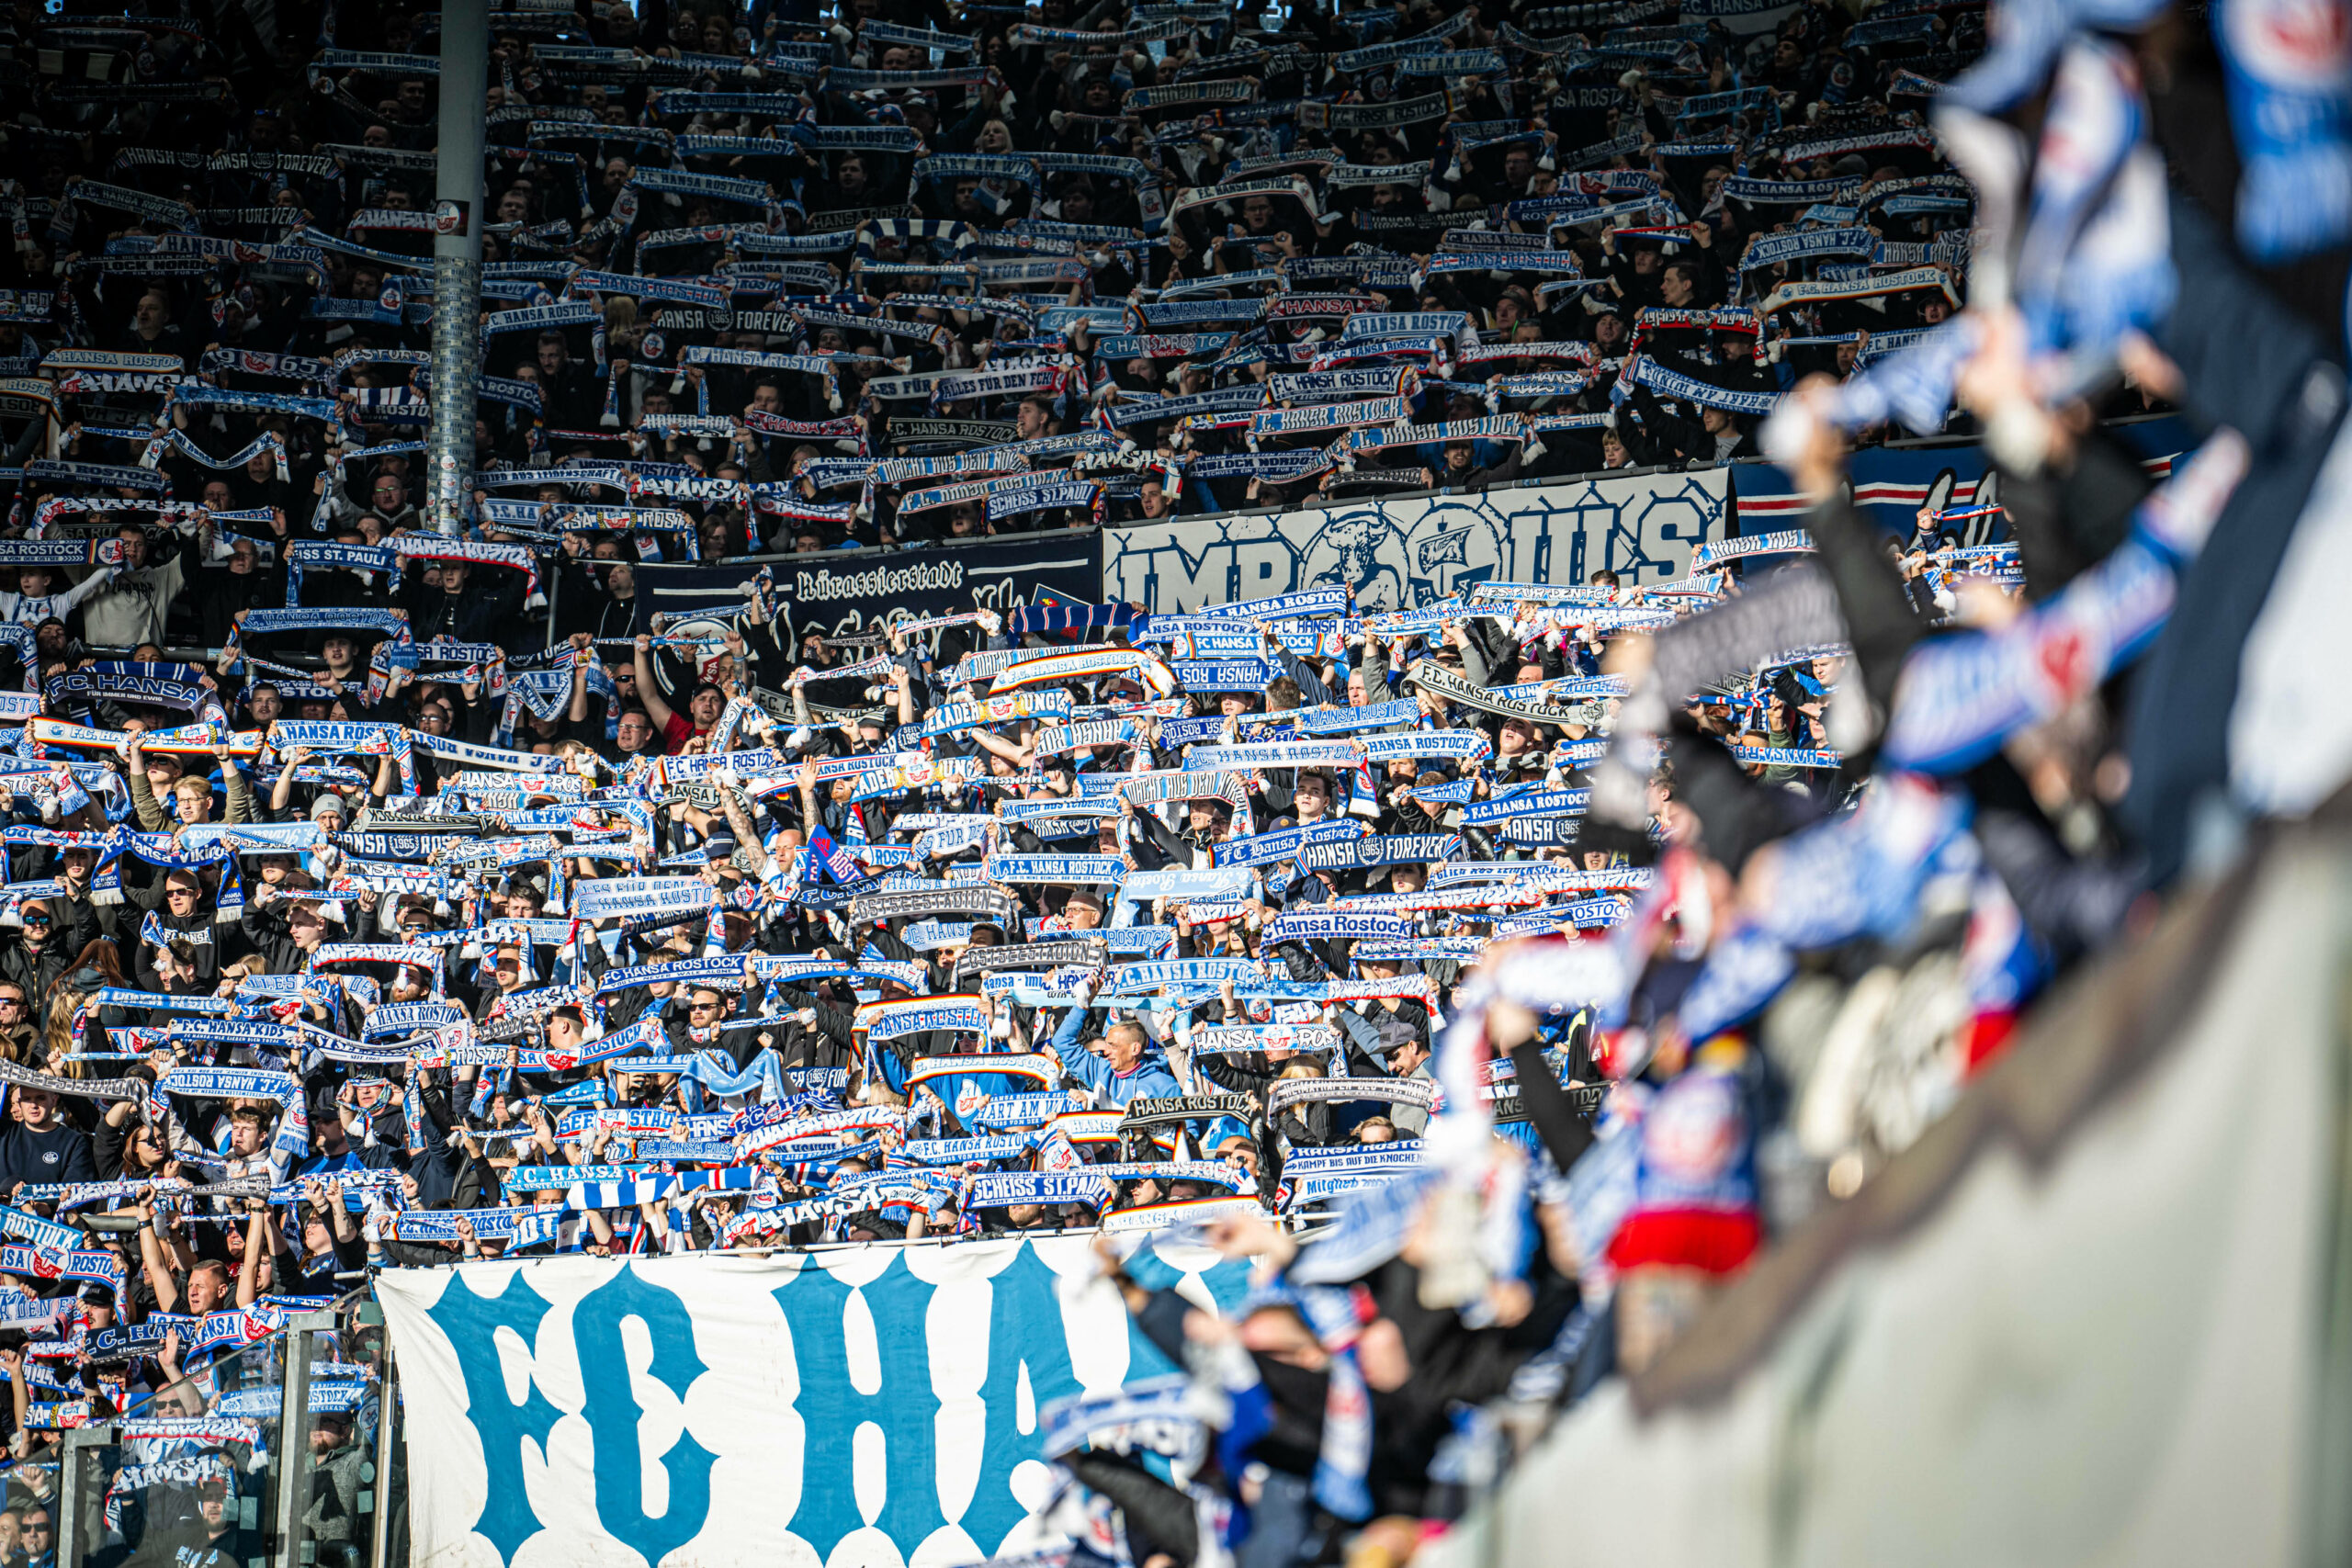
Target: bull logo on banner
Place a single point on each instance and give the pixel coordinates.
(1403, 554)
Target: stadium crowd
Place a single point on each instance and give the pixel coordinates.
(1498, 977)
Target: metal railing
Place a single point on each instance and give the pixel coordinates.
(277, 1456)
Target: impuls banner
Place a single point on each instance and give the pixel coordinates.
(1400, 555)
(865, 1407)
(841, 593)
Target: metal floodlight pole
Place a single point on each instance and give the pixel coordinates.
(457, 261)
(78, 1516)
(295, 1463)
(380, 1540)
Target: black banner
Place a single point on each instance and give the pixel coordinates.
(842, 592)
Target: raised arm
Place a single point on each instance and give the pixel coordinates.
(232, 778)
(648, 690)
(738, 818)
(904, 685)
(281, 794)
(12, 1360)
(585, 649)
(151, 1257)
(257, 1242)
(152, 818)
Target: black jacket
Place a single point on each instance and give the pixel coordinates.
(36, 972)
(490, 610)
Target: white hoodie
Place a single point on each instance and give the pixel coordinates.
(31, 609)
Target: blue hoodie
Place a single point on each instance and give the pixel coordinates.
(1148, 1079)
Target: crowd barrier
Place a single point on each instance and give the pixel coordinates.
(281, 1454)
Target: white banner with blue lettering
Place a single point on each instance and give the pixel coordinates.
(861, 1407)
(1403, 554)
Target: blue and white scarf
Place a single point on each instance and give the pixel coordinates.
(999, 1189)
(641, 900)
(2290, 85)
(1265, 848)
(1312, 925)
(1639, 370)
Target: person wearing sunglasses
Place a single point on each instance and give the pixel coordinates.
(19, 1038)
(38, 1535)
(35, 953)
(705, 1009)
(181, 915)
